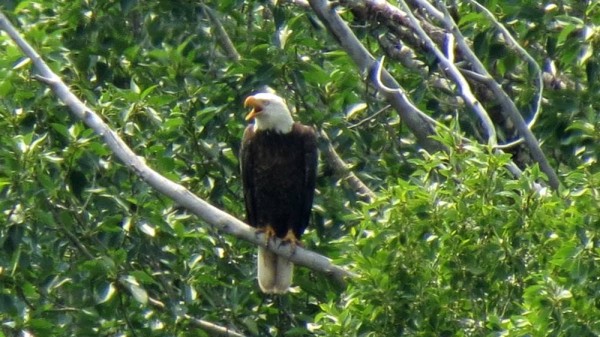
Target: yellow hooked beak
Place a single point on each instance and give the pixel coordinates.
(257, 107)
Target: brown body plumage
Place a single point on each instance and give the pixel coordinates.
(278, 164)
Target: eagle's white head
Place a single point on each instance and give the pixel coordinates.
(269, 112)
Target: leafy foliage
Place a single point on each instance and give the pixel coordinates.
(470, 252)
(453, 245)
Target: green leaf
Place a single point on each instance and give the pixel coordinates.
(137, 291)
(148, 91)
(565, 32)
(106, 293)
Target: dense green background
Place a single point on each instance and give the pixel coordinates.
(453, 245)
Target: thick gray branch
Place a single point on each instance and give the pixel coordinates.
(433, 37)
(507, 104)
(210, 214)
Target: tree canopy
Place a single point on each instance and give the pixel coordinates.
(457, 186)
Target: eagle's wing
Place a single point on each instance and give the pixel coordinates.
(310, 174)
(246, 167)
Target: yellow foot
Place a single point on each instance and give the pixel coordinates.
(268, 231)
(291, 238)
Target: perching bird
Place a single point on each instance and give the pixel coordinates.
(279, 163)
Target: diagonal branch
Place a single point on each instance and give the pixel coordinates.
(391, 89)
(511, 42)
(430, 37)
(341, 170)
(214, 329)
(507, 104)
(210, 214)
(222, 36)
(449, 67)
(421, 128)
(511, 166)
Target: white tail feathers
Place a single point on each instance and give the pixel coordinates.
(275, 272)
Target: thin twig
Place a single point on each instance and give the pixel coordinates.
(510, 145)
(449, 67)
(370, 117)
(216, 330)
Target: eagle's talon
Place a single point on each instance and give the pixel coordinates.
(291, 239)
(269, 233)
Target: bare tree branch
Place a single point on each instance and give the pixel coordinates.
(370, 117)
(511, 166)
(393, 92)
(377, 79)
(511, 42)
(397, 20)
(420, 127)
(449, 67)
(222, 36)
(507, 104)
(399, 51)
(430, 37)
(402, 27)
(210, 214)
(341, 170)
(363, 59)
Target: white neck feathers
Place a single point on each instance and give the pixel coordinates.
(275, 116)
(279, 123)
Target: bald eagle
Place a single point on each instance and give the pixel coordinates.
(278, 161)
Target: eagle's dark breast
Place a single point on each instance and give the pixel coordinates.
(279, 178)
